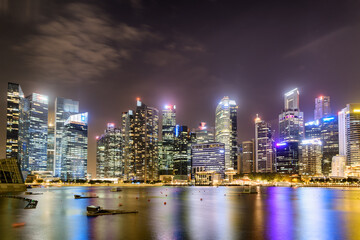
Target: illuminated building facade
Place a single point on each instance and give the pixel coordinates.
(127, 145)
(74, 147)
(109, 162)
(322, 107)
(182, 151)
(15, 98)
(247, 157)
(264, 147)
(349, 133)
(310, 157)
(287, 157)
(37, 132)
(338, 166)
(204, 134)
(291, 120)
(166, 159)
(313, 130)
(146, 136)
(208, 157)
(226, 130)
(64, 108)
(50, 148)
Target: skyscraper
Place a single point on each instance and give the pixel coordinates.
(264, 146)
(349, 133)
(109, 162)
(291, 120)
(37, 132)
(74, 147)
(166, 161)
(14, 98)
(182, 151)
(204, 134)
(247, 157)
(146, 136)
(50, 147)
(322, 107)
(64, 108)
(226, 130)
(127, 144)
(310, 157)
(330, 142)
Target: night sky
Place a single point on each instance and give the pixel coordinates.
(189, 53)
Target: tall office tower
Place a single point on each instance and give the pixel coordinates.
(64, 108)
(127, 145)
(291, 120)
(146, 135)
(349, 133)
(330, 142)
(166, 160)
(204, 134)
(287, 157)
(15, 98)
(182, 151)
(50, 147)
(310, 157)
(226, 130)
(108, 154)
(74, 147)
(264, 147)
(37, 132)
(247, 157)
(322, 107)
(208, 157)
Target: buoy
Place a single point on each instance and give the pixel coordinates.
(164, 203)
(224, 194)
(166, 195)
(120, 204)
(200, 199)
(119, 196)
(148, 200)
(137, 198)
(18, 224)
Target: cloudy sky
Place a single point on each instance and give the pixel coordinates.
(189, 53)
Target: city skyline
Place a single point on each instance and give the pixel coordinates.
(183, 62)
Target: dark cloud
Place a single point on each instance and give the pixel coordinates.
(81, 45)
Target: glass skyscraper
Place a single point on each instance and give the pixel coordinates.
(64, 108)
(291, 120)
(74, 148)
(109, 153)
(247, 157)
(50, 147)
(204, 134)
(182, 151)
(127, 144)
(226, 130)
(37, 132)
(264, 147)
(310, 157)
(166, 158)
(287, 157)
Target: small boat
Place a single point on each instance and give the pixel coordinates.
(93, 211)
(79, 196)
(28, 186)
(33, 193)
(117, 189)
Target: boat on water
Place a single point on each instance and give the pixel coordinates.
(93, 211)
(117, 189)
(79, 196)
(33, 193)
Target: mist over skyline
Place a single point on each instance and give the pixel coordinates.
(190, 54)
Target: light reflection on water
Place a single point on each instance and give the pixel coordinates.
(223, 213)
